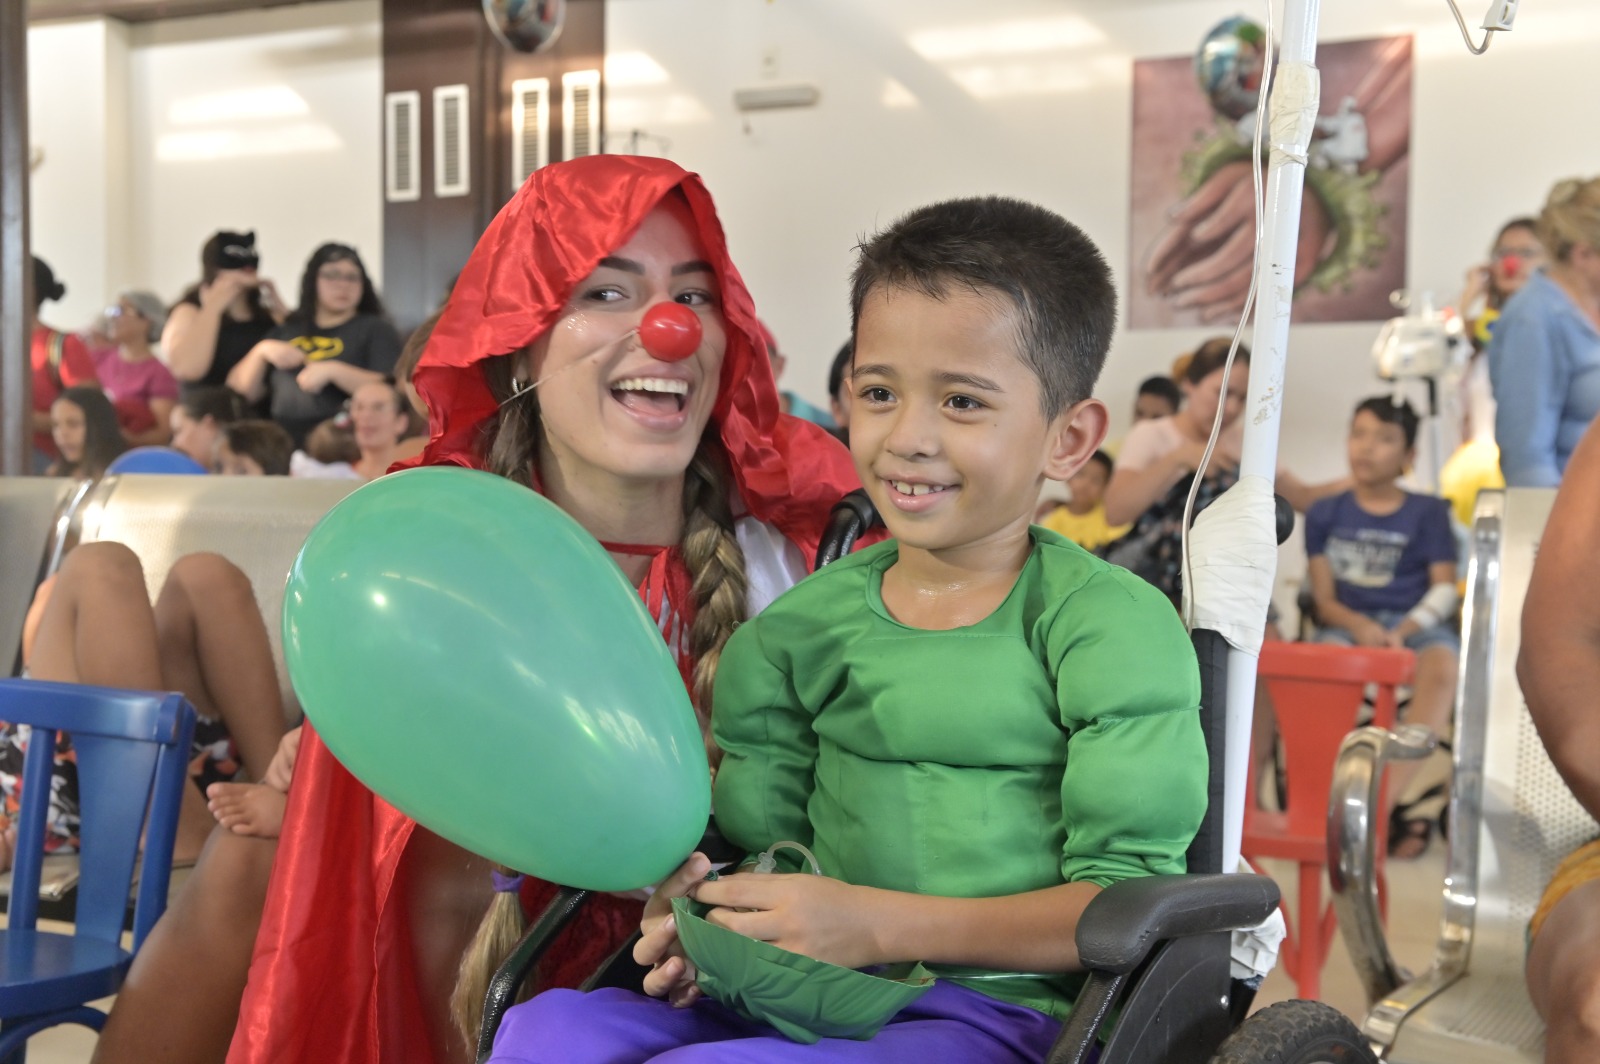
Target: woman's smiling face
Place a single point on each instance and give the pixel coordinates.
(607, 407)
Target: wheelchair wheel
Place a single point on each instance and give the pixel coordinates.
(1296, 1032)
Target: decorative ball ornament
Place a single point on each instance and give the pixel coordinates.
(1230, 65)
(670, 332)
(526, 25)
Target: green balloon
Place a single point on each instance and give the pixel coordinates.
(476, 659)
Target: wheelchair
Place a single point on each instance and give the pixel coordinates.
(1159, 987)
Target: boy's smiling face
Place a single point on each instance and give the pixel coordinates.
(947, 425)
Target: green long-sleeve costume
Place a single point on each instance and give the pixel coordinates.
(1056, 741)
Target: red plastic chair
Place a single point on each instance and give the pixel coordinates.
(1317, 693)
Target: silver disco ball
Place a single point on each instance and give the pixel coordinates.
(526, 25)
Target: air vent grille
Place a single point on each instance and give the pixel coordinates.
(402, 146)
(580, 113)
(451, 150)
(530, 127)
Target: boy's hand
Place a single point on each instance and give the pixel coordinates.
(1369, 633)
(671, 975)
(806, 914)
(1401, 632)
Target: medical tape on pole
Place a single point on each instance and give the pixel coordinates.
(1296, 97)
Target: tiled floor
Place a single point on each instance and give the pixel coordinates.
(1415, 899)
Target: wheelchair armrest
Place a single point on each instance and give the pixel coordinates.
(719, 849)
(1127, 920)
(1353, 847)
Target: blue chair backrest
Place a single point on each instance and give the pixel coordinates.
(132, 750)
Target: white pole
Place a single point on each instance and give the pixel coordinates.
(1292, 118)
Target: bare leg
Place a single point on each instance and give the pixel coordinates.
(214, 649)
(98, 627)
(1433, 698)
(180, 1002)
(1564, 981)
(447, 892)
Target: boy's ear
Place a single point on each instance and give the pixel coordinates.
(1075, 434)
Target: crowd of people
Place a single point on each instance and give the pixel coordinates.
(709, 487)
(228, 375)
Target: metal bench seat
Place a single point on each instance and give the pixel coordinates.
(1512, 820)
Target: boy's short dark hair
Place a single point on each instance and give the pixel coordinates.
(1392, 411)
(1052, 273)
(264, 441)
(1103, 459)
(1162, 387)
(841, 363)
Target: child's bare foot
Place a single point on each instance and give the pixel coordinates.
(248, 808)
(8, 846)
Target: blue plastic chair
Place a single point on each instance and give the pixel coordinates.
(133, 753)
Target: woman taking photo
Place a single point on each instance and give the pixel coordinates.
(216, 322)
(1544, 359)
(336, 340)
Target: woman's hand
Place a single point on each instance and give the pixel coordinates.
(671, 975)
(315, 377)
(216, 297)
(281, 768)
(281, 354)
(806, 914)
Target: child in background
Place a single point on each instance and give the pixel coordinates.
(1383, 574)
(330, 453)
(198, 419)
(1082, 518)
(83, 427)
(1158, 397)
(948, 719)
(254, 448)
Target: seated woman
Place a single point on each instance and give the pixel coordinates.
(139, 384)
(219, 319)
(336, 340)
(709, 500)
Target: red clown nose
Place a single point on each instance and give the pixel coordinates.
(670, 332)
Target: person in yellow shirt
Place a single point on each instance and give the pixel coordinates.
(1082, 518)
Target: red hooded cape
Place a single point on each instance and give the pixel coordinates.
(332, 975)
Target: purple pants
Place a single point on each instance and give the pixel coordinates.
(948, 1024)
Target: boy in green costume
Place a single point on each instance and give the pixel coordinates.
(975, 725)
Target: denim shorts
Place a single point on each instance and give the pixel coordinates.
(1438, 635)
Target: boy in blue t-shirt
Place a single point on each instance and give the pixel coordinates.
(1383, 572)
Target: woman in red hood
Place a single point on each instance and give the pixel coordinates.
(708, 498)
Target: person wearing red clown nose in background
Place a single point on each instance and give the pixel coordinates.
(707, 497)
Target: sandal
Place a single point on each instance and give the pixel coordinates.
(1409, 838)
(1411, 832)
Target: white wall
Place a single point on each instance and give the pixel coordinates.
(158, 134)
(77, 113)
(1032, 98)
(925, 99)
